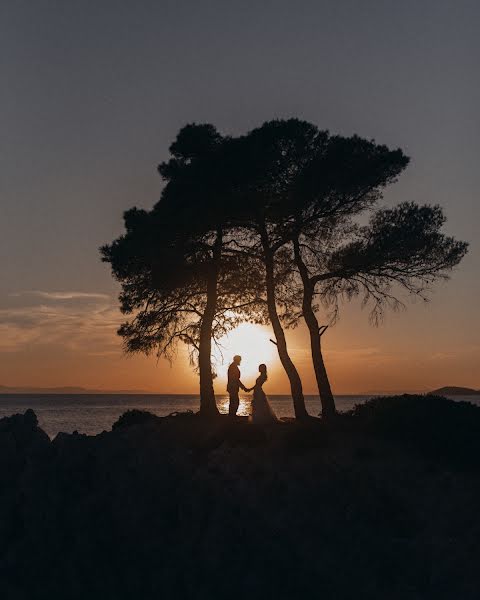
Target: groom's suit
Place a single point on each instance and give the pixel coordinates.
(234, 384)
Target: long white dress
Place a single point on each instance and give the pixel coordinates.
(262, 412)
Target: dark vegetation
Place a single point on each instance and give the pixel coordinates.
(382, 502)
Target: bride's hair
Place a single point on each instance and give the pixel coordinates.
(263, 370)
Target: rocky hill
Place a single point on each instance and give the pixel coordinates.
(381, 503)
(455, 391)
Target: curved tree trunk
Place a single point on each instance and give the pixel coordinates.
(287, 363)
(324, 390)
(208, 405)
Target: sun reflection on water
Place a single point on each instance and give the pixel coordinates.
(244, 408)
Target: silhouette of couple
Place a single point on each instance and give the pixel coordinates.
(262, 412)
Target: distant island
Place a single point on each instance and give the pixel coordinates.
(5, 389)
(451, 390)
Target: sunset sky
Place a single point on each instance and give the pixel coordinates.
(94, 93)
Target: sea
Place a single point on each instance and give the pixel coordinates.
(91, 413)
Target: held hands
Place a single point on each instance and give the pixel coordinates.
(245, 389)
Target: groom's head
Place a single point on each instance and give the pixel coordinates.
(237, 359)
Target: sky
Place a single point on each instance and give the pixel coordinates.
(92, 95)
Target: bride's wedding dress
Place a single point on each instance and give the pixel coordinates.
(262, 412)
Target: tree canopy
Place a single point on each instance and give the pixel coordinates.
(268, 225)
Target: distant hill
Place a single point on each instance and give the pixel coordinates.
(451, 390)
(4, 389)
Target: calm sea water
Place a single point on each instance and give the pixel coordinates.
(91, 414)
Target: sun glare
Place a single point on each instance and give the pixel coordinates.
(253, 344)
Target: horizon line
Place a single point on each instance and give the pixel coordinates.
(28, 391)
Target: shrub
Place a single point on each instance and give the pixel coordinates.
(136, 417)
(434, 424)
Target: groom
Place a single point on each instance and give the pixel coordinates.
(234, 384)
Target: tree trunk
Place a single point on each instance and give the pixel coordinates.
(324, 390)
(208, 405)
(287, 363)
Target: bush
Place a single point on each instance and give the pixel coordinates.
(136, 417)
(434, 424)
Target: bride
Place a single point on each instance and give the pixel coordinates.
(262, 412)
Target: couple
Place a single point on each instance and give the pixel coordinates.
(261, 410)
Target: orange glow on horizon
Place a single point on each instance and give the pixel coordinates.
(252, 343)
(72, 342)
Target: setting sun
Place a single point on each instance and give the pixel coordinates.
(252, 343)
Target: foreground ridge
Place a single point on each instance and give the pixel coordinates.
(184, 507)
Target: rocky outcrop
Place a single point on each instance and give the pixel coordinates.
(181, 507)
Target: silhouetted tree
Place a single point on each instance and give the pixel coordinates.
(401, 248)
(264, 158)
(172, 259)
(336, 178)
(302, 190)
(266, 223)
(337, 259)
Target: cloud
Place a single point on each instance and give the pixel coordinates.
(13, 337)
(357, 353)
(442, 356)
(456, 352)
(341, 355)
(85, 328)
(63, 295)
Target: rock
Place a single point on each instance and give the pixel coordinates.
(21, 436)
(183, 507)
(135, 417)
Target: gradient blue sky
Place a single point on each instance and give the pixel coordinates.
(94, 92)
